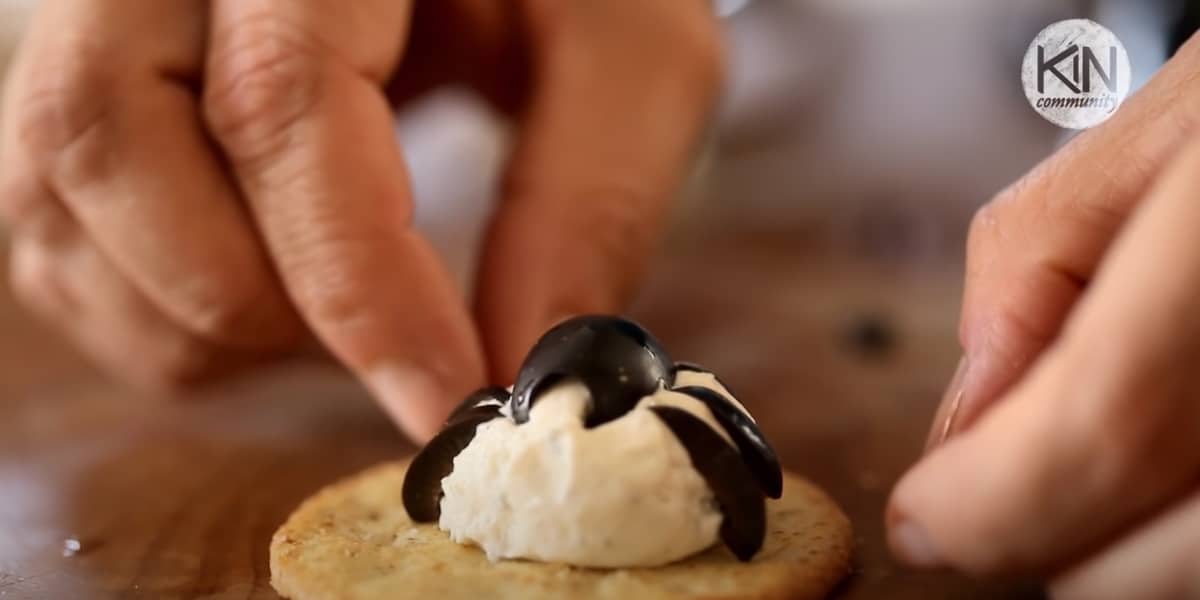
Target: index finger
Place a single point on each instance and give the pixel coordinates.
(295, 99)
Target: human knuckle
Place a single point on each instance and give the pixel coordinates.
(982, 222)
(335, 308)
(32, 278)
(222, 308)
(982, 231)
(263, 77)
(218, 320)
(1016, 329)
(182, 363)
(65, 112)
(14, 201)
(328, 285)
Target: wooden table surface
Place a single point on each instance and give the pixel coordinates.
(840, 355)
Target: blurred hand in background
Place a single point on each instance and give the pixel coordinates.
(193, 187)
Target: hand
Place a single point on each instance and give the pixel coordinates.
(198, 186)
(1074, 454)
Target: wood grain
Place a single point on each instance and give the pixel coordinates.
(842, 356)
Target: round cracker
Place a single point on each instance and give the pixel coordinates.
(354, 541)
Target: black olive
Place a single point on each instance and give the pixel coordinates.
(617, 360)
(751, 443)
(743, 508)
(483, 398)
(422, 489)
(695, 368)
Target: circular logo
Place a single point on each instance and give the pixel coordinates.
(1076, 73)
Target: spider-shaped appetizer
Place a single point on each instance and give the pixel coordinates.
(619, 363)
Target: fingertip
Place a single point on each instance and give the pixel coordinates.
(911, 517)
(413, 397)
(954, 510)
(910, 543)
(898, 524)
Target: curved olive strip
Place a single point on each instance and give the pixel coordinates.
(695, 368)
(744, 525)
(617, 360)
(422, 490)
(488, 396)
(751, 443)
(683, 365)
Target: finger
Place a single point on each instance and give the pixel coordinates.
(107, 118)
(61, 276)
(1102, 432)
(294, 97)
(1155, 562)
(622, 95)
(1032, 250)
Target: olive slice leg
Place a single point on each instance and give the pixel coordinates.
(683, 365)
(756, 452)
(695, 368)
(422, 490)
(744, 523)
(488, 396)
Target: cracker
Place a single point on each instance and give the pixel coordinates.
(354, 541)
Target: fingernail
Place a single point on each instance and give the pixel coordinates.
(947, 412)
(411, 396)
(911, 544)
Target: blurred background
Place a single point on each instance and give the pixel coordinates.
(815, 263)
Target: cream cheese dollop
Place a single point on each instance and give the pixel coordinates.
(622, 494)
